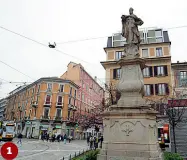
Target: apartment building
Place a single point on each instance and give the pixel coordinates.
(46, 105)
(90, 94)
(155, 49)
(3, 103)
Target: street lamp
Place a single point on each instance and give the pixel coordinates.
(20, 111)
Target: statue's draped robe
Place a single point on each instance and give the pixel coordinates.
(130, 28)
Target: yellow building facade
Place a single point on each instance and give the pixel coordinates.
(155, 49)
(45, 105)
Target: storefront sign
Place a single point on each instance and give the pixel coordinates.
(58, 127)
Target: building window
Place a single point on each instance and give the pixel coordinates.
(49, 86)
(160, 71)
(116, 73)
(38, 89)
(58, 112)
(145, 53)
(61, 88)
(161, 89)
(183, 74)
(155, 36)
(30, 113)
(48, 99)
(59, 101)
(46, 112)
(147, 72)
(183, 78)
(69, 113)
(33, 91)
(83, 97)
(159, 52)
(70, 92)
(118, 55)
(148, 88)
(69, 101)
(75, 95)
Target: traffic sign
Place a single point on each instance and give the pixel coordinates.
(9, 151)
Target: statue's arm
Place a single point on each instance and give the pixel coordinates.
(139, 22)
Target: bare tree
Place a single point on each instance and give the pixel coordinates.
(173, 107)
(113, 95)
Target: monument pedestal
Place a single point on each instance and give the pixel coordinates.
(130, 134)
(130, 129)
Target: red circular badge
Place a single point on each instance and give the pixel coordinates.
(9, 151)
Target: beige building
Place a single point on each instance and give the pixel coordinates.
(155, 49)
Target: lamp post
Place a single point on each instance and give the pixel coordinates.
(20, 111)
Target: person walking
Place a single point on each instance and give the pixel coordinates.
(101, 141)
(19, 139)
(88, 140)
(65, 137)
(91, 142)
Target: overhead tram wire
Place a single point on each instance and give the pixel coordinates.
(16, 70)
(44, 45)
(93, 38)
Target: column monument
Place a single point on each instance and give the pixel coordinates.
(130, 129)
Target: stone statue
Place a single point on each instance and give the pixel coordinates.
(130, 25)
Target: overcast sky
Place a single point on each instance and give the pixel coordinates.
(66, 20)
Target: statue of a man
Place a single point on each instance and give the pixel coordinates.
(130, 25)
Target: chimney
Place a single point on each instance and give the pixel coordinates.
(177, 61)
(95, 78)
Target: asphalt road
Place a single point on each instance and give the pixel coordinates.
(39, 150)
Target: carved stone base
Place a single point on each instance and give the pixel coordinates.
(131, 84)
(130, 134)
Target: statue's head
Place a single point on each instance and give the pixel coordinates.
(131, 10)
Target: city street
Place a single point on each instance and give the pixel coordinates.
(39, 150)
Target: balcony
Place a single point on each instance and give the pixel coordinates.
(59, 105)
(70, 107)
(47, 104)
(74, 108)
(45, 118)
(57, 119)
(34, 104)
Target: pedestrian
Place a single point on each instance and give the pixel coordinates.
(101, 141)
(47, 138)
(65, 137)
(70, 137)
(91, 142)
(96, 141)
(88, 140)
(19, 139)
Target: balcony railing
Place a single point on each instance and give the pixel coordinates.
(45, 117)
(47, 103)
(57, 118)
(70, 106)
(74, 108)
(59, 104)
(35, 104)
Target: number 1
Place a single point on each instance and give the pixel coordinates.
(9, 150)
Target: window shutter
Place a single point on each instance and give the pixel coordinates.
(165, 70)
(156, 89)
(151, 71)
(155, 71)
(114, 74)
(167, 89)
(152, 89)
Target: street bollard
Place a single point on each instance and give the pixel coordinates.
(79, 153)
(70, 157)
(63, 158)
(75, 154)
